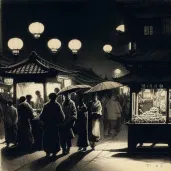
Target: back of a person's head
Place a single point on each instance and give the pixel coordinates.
(28, 97)
(56, 90)
(10, 102)
(52, 96)
(22, 99)
(37, 93)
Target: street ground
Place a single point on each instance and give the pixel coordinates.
(110, 155)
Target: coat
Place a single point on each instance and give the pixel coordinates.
(25, 114)
(70, 112)
(113, 109)
(10, 124)
(52, 117)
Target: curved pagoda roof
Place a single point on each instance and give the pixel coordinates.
(35, 65)
(145, 66)
(144, 58)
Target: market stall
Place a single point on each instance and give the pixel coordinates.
(150, 91)
(36, 77)
(150, 110)
(36, 74)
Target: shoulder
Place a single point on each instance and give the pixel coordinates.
(99, 101)
(72, 102)
(13, 108)
(46, 104)
(57, 104)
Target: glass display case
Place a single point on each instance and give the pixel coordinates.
(150, 106)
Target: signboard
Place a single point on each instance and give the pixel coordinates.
(152, 86)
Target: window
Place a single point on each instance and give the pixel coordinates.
(167, 26)
(148, 30)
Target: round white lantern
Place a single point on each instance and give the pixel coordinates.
(54, 45)
(121, 28)
(8, 81)
(15, 44)
(107, 48)
(117, 71)
(36, 29)
(74, 45)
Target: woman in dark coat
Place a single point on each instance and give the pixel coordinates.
(82, 125)
(51, 118)
(25, 114)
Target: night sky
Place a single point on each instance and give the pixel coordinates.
(92, 23)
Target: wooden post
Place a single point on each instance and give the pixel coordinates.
(45, 92)
(130, 114)
(168, 106)
(15, 93)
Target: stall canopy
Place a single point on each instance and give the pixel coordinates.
(34, 68)
(145, 66)
(154, 56)
(86, 76)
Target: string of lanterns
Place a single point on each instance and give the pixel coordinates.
(36, 29)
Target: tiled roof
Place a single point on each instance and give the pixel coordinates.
(86, 76)
(133, 78)
(35, 65)
(145, 55)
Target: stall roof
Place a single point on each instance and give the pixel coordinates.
(134, 78)
(86, 76)
(144, 55)
(35, 65)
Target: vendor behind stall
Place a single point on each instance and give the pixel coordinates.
(39, 100)
(29, 100)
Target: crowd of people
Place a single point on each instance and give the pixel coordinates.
(60, 121)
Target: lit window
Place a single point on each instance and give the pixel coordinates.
(148, 30)
(67, 82)
(167, 26)
(130, 46)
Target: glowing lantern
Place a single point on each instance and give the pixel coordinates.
(117, 73)
(54, 45)
(107, 48)
(74, 45)
(15, 44)
(36, 29)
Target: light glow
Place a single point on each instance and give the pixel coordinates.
(107, 48)
(24, 89)
(130, 46)
(67, 82)
(15, 44)
(51, 87)
(36, 29)
(54, 45)
(121, 28)
(75, 45)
